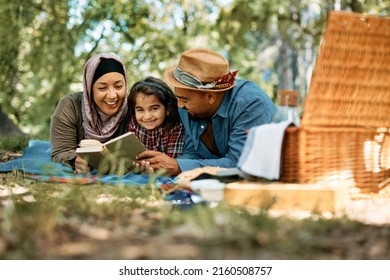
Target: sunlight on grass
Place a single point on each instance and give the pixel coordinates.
(49, 220)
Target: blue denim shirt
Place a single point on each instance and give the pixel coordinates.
(244, 106)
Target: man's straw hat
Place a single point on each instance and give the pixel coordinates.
(201, 69)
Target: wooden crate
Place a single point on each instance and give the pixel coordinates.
(289, 197)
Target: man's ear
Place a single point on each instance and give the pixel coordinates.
(211, 97)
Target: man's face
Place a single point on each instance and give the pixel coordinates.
(195, 102)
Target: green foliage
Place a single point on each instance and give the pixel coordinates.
(268, 29)
(45, 43)
(14, 144)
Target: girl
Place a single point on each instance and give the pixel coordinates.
(155, 118)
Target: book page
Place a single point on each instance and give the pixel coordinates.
(125, 135)
(126, 146)
(114, 156)
(89, 143)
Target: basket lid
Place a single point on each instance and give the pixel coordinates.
(350, 85)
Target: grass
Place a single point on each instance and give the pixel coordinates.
(13, 144)
(68, 221)
(44, 220)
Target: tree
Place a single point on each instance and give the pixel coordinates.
(13, 18)
(280, 38)
(36, 59)
(7, 127)
(46, 43)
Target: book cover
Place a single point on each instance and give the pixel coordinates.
(114, 156)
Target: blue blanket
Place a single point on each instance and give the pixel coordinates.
(37, 162)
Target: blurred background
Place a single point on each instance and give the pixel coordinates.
(45, 43)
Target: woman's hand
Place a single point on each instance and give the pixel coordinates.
(81, 165)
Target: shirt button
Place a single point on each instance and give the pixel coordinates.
(202, 126)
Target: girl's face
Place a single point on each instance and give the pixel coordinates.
(109, 92)
(150, 113)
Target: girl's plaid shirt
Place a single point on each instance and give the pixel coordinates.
(167, 141)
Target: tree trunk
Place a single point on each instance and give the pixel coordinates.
(285, 71)
(7, 127)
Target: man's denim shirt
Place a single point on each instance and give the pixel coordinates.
(244, 106)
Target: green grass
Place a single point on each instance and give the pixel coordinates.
(67, 221)
(13, 144)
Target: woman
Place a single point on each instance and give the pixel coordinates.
(99, 112)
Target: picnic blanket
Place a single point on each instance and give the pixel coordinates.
(36, 161)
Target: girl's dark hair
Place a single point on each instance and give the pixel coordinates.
(158, 88)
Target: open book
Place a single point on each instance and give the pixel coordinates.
(114, 156)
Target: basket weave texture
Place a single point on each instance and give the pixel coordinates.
(345, 133)
(350, 84)
(357, 157)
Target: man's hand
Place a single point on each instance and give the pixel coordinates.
(81, 166)
(150, 161)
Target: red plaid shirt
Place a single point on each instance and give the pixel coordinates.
(168, 141)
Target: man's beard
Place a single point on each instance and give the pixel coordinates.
(194, 117)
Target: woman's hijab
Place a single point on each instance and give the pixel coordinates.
(97, 125)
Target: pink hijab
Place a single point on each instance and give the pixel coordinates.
(98, 125)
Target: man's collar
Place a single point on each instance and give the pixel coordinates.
(224, 106)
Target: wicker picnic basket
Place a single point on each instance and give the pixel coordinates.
(345, 133)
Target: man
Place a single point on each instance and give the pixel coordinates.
(216, 112)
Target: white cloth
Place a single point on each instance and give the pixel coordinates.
(261, 156)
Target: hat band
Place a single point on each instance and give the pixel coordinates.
(189, 80)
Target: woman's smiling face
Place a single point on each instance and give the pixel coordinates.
(109, 92)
